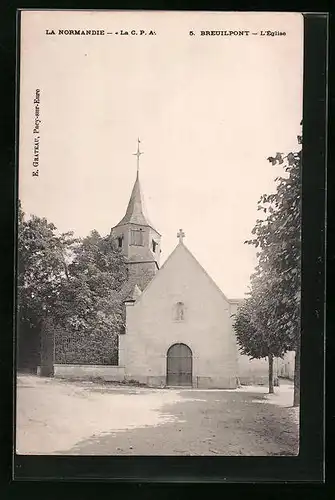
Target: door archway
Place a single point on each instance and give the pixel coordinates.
(179, 365)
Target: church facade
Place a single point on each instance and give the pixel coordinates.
(178, 322)
(178, 329)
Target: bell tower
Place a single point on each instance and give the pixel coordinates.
(137, 238)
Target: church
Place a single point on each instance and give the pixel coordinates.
(178, 322)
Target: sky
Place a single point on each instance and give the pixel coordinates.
(208, 110)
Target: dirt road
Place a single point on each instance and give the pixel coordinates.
(82, 418)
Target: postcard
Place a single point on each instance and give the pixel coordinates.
(159, 233)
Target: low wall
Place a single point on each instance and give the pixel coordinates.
(216, 382)
(109, 373)
(255, 371)
(252, 371)
(197, 382)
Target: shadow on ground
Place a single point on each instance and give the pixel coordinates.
(205, 423)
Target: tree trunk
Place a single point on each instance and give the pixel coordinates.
(275, 374)
(47, 349)
(271, 391)
(296, 397)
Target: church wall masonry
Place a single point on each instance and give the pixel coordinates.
(151, 326)
(142, 259)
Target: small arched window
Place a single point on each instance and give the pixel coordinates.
(119, 241)
(180, 311)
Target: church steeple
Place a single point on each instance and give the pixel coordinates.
(136, 237)
(136, 212)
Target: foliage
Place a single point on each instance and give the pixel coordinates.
(93, 299)
(268, 321)
(41, 267)
(74, 283)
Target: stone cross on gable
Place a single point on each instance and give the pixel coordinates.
(181, 235)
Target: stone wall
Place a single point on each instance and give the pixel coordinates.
(254, 371)
(106, 372)
(142, 260)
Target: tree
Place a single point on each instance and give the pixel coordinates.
(41, 266)
(93, 310)
(40, 274)
(254, 322)
(273, 308)
(70, 288)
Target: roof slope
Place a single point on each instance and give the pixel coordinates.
(136, 213)
(181, 248)
(134, 294)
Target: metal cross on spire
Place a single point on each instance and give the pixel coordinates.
(138, 154)
(181, 235)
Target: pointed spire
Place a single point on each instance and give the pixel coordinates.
(136, 213)
(135, 210)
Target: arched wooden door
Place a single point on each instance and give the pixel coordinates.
(179, 365)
